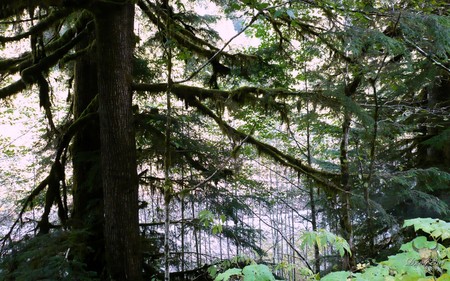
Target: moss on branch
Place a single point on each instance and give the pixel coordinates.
(41, 26)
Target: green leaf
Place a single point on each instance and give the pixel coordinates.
(278, 13)
(377, 273)
(212, 271)
(225, 276)
(323, 238)
(206, 217)
(444, 277)
(257, 272)
(406, 264)
(435, 227)
(337, 276)
(446, 265)
(217, 228)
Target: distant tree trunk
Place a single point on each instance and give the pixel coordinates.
(115, 42)
(345, 205)
(312, 200)
(368, 185)
(437, 98)
(345, 218)
(87, 212)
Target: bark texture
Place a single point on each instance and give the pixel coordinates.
(87, 212)
(115, 42)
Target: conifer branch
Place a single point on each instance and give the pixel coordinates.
(45, 23)
(324, 178)
(427, 55)
(265, 97)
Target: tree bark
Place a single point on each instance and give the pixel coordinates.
(115, 43)
(345, 223)
(345, 205)
(312, 199)
(87, 212)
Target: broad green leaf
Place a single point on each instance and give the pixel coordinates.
(337, 276)
(225, 276)
(446, 265)
(437, 228)
(444, 277)
(377, 273)
(418, 243)
(257, 272)
(406, 264)
(212, 271)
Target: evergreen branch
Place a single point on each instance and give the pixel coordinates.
(222, 167)
(31, 73)
(179, 33)
(12, 8)
(158, 136)
(218, 52)
(305, 28)
(189, 94)
(51, 60)
(426, 55)
(54, 175)
(25, 60)
(25, 205)
(53, 17)
(194, 43)
(242, 95)
(327, 179)
(188, 39)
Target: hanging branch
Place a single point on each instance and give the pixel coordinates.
(52, 180)
(30, 73)
(264, 97)
(327, 179)
(41, 26)
(192, 42)
(218, 52)
(60, 46)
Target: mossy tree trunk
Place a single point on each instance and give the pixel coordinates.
(87, 212)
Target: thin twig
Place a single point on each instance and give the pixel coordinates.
(219, 51)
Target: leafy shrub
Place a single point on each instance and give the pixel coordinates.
(419, 259)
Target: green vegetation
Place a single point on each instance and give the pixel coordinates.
(419, 259)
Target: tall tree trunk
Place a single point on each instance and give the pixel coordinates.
(87, 212)
(312, 200)
(345, 196)
(368, 185)
(115, 42)
(345, 217)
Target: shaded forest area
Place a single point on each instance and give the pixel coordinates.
(301, 144)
